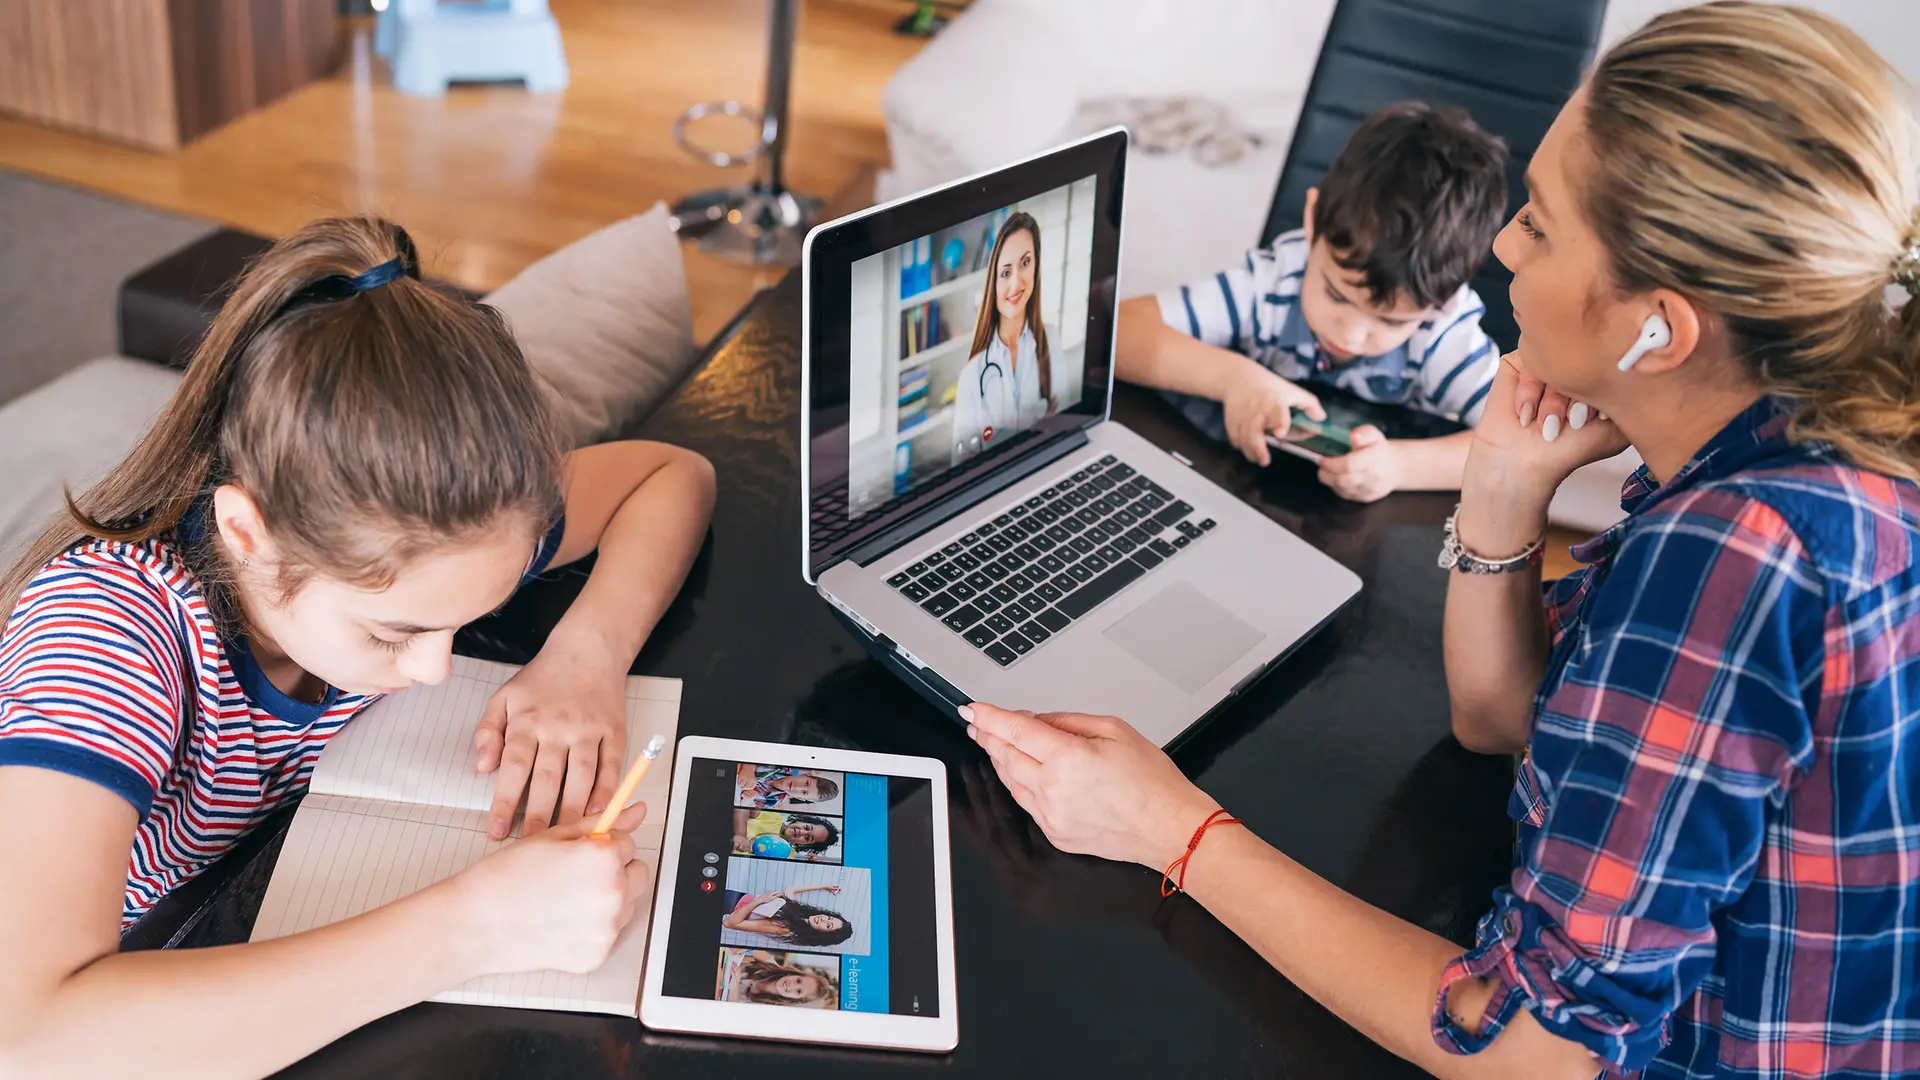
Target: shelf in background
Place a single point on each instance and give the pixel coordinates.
(919, 429)
(947, 287)
(928, 355)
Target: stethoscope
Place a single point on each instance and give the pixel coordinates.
(991, 365)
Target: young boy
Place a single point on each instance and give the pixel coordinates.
(1370, 296)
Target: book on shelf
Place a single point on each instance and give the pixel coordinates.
(913, 383)
(916, 267)
(922, 326)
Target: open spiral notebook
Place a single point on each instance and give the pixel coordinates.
(395, 805)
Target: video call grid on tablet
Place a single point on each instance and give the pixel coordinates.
(805, 888)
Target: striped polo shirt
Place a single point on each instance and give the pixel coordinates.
(112, 669)
(1445, 368)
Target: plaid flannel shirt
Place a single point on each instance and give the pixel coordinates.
(1718, 869)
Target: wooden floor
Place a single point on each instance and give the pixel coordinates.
(490, 179)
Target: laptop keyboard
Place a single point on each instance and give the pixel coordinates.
(1019, 577)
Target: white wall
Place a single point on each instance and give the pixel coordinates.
(1891, 26)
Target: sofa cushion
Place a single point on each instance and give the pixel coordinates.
(606, 323)
(67, 434)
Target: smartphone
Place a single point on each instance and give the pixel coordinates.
(1313, 439)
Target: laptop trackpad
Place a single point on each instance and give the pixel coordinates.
(1184, 636)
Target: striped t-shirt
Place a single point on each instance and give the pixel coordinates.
(1445, 368)
(113, 670)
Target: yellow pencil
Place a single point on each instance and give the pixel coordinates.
(628, 783)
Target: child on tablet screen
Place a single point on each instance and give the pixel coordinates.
(772, 786)
(781, 914)
(1370, 295)
(771, 978)
(809, 834)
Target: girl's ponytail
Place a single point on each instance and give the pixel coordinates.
(332, 407)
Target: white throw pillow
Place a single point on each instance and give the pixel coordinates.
(67, 434)
(606, 323)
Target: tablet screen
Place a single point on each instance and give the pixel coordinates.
(805, 888)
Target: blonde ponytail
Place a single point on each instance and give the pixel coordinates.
(1761, 160)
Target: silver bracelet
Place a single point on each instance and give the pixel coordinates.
(1455, 556)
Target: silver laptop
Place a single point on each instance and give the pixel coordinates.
(972, 512)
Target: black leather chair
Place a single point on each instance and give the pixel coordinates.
(1511, 63)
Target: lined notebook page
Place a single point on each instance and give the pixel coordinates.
(395, 806)
(417, 746)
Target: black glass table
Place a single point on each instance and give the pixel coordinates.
(1068, 966)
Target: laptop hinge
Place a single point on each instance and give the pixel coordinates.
(966, 498)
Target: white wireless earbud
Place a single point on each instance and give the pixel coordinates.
(1654, 334)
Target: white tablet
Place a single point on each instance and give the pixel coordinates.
(804, 894)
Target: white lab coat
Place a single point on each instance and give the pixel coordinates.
(1001, 392)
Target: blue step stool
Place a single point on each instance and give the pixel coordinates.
(430, 43)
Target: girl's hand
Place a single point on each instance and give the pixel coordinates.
(1256, 401)
(558, 732)
(1371, 471)
(1093, 784)
(557, 900)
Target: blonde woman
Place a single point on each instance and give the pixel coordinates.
(1718, 868)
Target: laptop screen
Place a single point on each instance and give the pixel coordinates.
(940, 355)
(964, 338)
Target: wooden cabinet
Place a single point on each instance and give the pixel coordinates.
(157, 73)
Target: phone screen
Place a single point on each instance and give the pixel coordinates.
(1319, 445)
(1323, 438)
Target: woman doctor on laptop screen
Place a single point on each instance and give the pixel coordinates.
(1012, 380)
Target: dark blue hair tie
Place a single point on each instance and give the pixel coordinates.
(337, 287)
(378, 276)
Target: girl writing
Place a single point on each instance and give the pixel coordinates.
(356, 464)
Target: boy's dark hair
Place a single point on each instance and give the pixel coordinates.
(1414, 201)
(827, 788)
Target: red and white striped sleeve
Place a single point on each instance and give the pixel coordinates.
(93, 674)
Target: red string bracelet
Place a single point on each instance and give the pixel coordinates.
(1168, 884)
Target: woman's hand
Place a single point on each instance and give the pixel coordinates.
(558, 900)
(1093, 784)
(558, 731)
(1372, 470)
(1514, 468)
(1534, 434)
(1257, 401)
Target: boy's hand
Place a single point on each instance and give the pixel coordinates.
(1257, 402)
(1370, 471)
